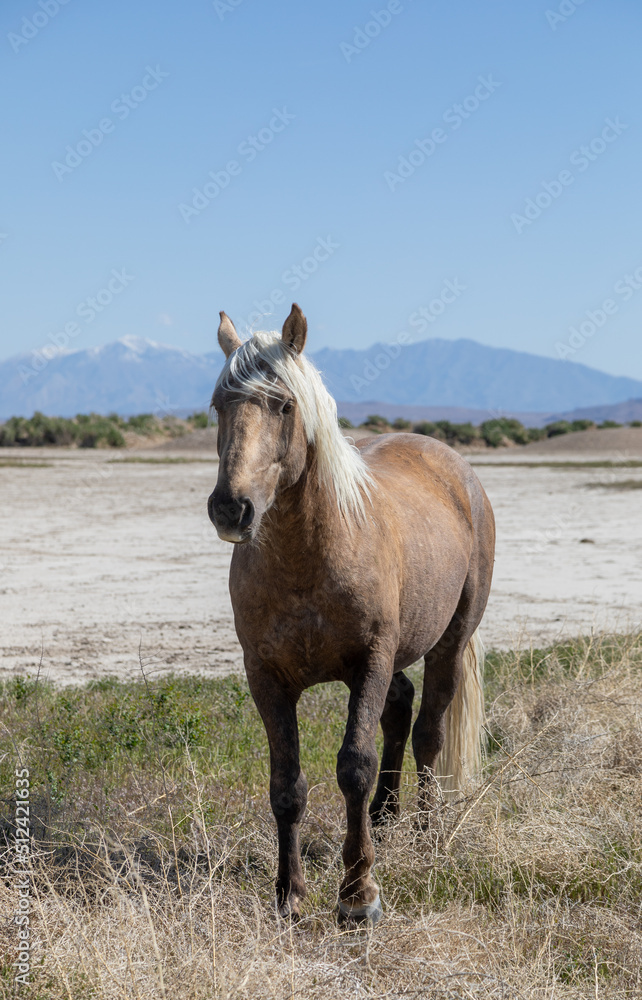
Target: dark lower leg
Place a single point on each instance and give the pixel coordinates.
(440, 683)
(356, 773)
(288, 787)
(395, 723)
(288, 797)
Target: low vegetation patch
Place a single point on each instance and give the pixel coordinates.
(93, 430)
(629, 463)
(495, 433)
(154, 848)
(623, 484)
(157, 460)
(18, 464)
(96, 431)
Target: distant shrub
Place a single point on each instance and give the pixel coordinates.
(608, 423)
(171, 426)
(493, 435)
(143, 423)
(85, 430)
(568, 427)
(400, 424)
(557, 427)
(37, 431)
(96, 431)
(446, 431)
(536, 433)
(376, 423)
(635, 423)
(425, 427)
(455, 433)
(345, 423)
(462, 433)
(497, 431)
(199, 420)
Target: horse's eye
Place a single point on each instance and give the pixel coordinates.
(287, 407)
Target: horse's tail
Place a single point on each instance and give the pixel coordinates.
(461, 754)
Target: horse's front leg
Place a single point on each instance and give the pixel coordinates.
(288, 785)
(356, 772)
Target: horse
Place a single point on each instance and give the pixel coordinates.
(350, 563)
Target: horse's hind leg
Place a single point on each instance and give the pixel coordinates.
(395, 723)
(442, 675)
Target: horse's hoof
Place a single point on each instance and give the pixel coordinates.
(289, 910)
(358, 916)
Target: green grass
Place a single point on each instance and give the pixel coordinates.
(110, 727)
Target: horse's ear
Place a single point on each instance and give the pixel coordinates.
(295, 329)
(228, 338)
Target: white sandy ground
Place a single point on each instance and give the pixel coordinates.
(99, 557)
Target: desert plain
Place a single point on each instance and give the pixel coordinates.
(109, 564)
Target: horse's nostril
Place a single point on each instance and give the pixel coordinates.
(247, 516)
(234, 513)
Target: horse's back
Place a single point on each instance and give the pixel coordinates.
(424, 468)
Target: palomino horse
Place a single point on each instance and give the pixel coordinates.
(349, 564)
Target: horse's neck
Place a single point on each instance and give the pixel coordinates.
(304, 522)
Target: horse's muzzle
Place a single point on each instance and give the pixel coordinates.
(232, 517)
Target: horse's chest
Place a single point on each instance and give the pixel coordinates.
(301, 637)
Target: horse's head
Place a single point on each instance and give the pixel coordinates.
(262, 441)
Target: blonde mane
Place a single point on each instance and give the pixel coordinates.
(253, 367)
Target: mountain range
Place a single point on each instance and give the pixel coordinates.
(431, 378)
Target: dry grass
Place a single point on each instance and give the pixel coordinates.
(156, 460)
(154, 860)
(622, 484)
(9, 463)
(565, 464)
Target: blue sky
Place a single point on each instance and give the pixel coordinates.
(336, 100)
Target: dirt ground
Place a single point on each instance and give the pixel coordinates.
(105, 554)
